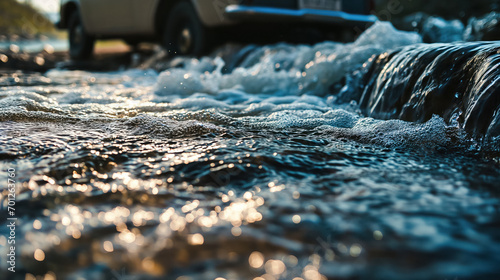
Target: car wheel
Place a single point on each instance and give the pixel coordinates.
(81, 45)
(184, 33)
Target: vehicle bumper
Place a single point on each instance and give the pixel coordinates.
(253, 13)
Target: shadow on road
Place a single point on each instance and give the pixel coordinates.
(111, 58)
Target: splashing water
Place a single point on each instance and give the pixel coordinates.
(459, 82)
(197, 174)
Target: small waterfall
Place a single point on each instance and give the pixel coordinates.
(459, 82)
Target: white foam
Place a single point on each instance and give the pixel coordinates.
(284, 68)
(276, 87)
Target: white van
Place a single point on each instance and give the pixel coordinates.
(186, 26)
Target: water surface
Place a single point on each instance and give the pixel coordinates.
(260, 172)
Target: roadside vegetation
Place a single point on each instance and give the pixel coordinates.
(23, 20)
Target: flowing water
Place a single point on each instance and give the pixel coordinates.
(288, 163)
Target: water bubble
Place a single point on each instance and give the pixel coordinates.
(236, 231)
(14, 48)
(296, 219)
(355, 250)
(256, 259)
(108, 246)
(37, 224)
(377, 235)
(196, 239)
(275, 267)
(39, 255)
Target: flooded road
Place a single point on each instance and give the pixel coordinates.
(284, 163)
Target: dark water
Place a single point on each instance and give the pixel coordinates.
(255, 174)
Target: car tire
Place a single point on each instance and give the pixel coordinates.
(133, 43)
(184, 33)
(81, 45)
